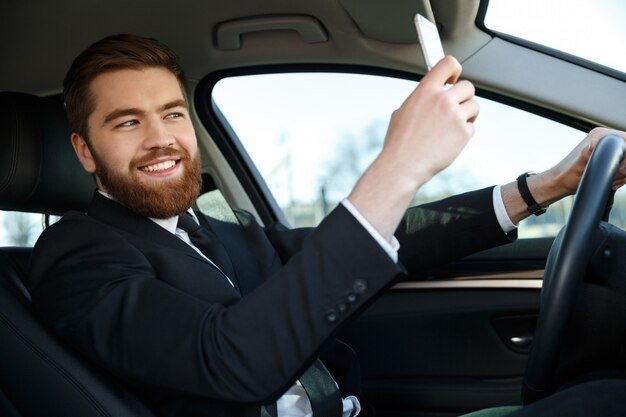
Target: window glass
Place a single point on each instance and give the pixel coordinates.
(593, 30)
(312, 134)
(20, 229)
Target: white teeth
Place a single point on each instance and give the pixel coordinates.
(159, 167)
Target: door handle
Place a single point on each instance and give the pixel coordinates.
(521, 342)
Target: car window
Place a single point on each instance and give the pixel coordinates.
(590, 30)
(312, 134)
(20, 229)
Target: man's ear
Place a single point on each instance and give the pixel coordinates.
(83, 152)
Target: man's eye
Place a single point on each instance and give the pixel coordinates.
(128, 123)
(174, 115)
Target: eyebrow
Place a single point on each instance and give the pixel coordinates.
(133, 111)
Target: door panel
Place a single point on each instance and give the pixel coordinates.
(443, 347)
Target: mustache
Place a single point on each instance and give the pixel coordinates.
(159, 153)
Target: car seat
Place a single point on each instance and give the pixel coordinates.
(39, 375)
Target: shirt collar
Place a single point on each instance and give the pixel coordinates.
(168, 224)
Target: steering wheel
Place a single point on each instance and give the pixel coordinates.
(567, 262)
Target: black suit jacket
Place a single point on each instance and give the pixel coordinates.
(139, 301)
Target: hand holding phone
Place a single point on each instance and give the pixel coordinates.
(429, 40)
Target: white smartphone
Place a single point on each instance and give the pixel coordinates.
(429, 40)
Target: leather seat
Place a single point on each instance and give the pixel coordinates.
(39, 172)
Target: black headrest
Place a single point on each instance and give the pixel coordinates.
(39, 171)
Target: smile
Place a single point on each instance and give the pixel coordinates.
(161, 166)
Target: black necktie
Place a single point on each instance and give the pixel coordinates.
(208, 244)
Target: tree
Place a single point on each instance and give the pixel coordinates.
(353, 155)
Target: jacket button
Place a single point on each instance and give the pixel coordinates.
(331, 316)
(352, 297)
(359, 286)
(342, 307)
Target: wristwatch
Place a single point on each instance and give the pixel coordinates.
(522, 186)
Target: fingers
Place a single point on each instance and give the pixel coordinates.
(462, 91)
(620, 176)
(621, 170)
(440, 101)
(462, 95)
(592, 140)
(444, 77)
(594, 137)
(447, 71)
(599, 132)
(469, 110)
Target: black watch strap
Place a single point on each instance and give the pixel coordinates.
(522, 186)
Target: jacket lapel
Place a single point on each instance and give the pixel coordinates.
(118, 216)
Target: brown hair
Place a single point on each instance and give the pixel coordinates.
(112, 53)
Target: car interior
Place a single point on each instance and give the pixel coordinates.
(442, 342)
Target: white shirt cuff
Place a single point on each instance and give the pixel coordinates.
(503, 218)
(391, 248)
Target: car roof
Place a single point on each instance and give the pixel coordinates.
(42, 37)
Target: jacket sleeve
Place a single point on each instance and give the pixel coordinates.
(430, 234)
(436, 233)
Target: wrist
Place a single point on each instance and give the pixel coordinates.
(405, 175)
(543, 188)
(533, 207)
(382, 195)
(546, 188)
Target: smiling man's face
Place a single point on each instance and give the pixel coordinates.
(142, 145)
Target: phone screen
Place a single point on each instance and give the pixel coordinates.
(429, 40)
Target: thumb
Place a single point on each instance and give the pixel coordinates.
(447, 71)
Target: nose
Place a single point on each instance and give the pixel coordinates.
(157, 135)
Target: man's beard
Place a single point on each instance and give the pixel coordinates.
(160, 200)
